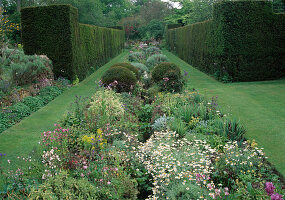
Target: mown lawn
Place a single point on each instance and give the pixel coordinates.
(20, 139)
(259, 105)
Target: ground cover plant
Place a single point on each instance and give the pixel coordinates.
(143, 145)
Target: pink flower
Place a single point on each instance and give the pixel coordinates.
(166, 79)
(276, 196)
(85, 167)
(218, 192)
(227, 191)
(210, 186)
(82, 175)
(108, 182)
(269, 187)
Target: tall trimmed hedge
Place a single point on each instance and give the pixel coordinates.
(75, 49)
(242, 47)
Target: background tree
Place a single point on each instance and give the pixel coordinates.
(191, 11)
(131, 26)
(154, 9)
(153, 30)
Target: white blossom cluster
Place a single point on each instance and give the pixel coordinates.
(50, 159)
(169, 159)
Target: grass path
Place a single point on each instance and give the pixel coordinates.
(20, 139)
(259, 105)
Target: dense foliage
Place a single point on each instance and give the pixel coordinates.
(129, 67)
(120, 78)
(155, 59)
(10, 115)
(168, 76)
(26, 85)
(137, 145)
(233, 46)
(75, 49)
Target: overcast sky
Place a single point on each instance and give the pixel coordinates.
(175, 4)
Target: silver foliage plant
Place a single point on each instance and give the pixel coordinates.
(161, 123)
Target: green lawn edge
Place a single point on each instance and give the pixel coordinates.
(20, 139)
(259, 105)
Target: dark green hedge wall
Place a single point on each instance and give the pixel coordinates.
(75, 49)
(243, 47)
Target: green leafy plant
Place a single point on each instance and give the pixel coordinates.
(35, 69)
(231, 129)
(152, 50)
(19, 111)
(179, 126)
(34, 103)
(137, 57)
(141, 67)
(106, 104)
(49, 93)
(154, 60)
(62, 186)
(145, 113)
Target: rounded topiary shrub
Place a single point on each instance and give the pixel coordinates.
(154, 60)
(128, 66)
(137, 57)
(119, 78)
(141, 67)
(168, 76)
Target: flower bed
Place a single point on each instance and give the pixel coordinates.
(146, 143)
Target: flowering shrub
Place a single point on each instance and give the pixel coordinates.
(172, 161)
(51, 159)
(107, 104)
(92, 141)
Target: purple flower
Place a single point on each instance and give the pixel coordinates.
(185, 73)
(276, 196)
(269, 187)
(2, 154)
